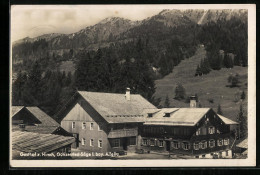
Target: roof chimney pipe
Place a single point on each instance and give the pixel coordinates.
(193, 102)
(127, 94)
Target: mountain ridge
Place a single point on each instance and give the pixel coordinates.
(193, 15)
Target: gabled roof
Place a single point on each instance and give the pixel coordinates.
(37, 129)
(178, 116)
(34, 142)
(114, 108)
(16, 109)
(227, 121)
(44, 118)
(243, 144)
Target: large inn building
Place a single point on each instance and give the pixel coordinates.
(108, 122)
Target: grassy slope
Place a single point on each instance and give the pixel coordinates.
(212, 85)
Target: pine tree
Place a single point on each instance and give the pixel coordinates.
(167, 102)
(32, 93)
(206, 66)
(243, 95)
(180, 92)
(17, 89)
(68, 79)
(86, 72)
(225, 61)
(242, 120)
(219, 111)
(198, 71)
(234, 80)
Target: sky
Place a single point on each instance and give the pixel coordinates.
(34, 21)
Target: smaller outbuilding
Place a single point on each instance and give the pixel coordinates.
(243, 147)
(33, 119)
(29, 145)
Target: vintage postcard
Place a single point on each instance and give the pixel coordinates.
(133, 85)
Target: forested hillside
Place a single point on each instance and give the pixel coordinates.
(118, 53)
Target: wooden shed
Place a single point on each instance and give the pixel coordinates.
(29, 145)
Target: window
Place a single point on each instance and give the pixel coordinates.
(198, 132)
(83, 142)
(116, 143)
(144, 141)
(203, 156)
(150, 115)
(226, 141)
(99, 127)
(73, 125)
(100, 143)
(197, 157)
(220, 142)
(132, 141)
(226, 153)
(203, 144)
(91, 143)
(167, 114)
(185, 145)
(84, 125)
(211, 130)
(152, 142)
(212, 143)
(196, 145)
(91, 126)
(160, 143)
(176, 145)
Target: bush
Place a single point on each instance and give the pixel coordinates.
(211, 100)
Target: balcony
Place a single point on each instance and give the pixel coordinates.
(123, 133)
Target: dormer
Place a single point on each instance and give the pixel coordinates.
(167, 114)
(150, 115)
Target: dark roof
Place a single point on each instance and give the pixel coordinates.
(114, 108)
(44, 118)
(16, 109)
(37, 128)
(35, 142)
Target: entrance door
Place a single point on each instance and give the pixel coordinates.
(76, 143)
(124, 143)
(168, 145)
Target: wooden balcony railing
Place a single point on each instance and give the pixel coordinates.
(123, 133)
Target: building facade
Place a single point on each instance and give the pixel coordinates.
(105, 122)
(196, 132)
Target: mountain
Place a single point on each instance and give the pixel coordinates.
(160, 51)
(159, 30)
(210, 86)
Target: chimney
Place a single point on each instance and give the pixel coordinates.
(192, 101)
(127, 94)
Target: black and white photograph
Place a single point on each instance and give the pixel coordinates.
(132, 85)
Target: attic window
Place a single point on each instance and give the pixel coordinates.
(150, 115)
(167, 114)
